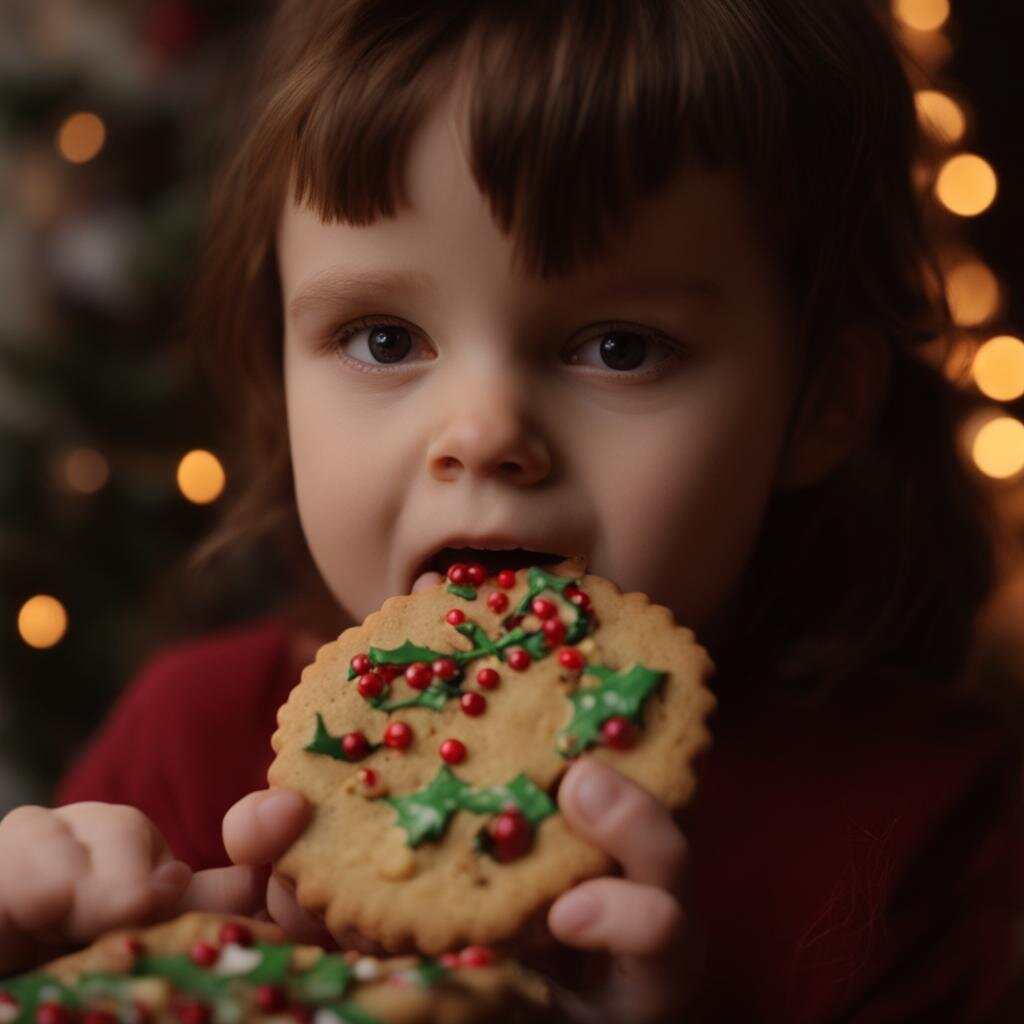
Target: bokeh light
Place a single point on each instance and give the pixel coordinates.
(998, 448)
(998, 368)
(42, 621)
(966, 185)
(81, 137)
(84, 470)
(973, 293)
(201, 477)
(923, 15)
(940, 115)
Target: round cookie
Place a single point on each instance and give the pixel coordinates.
(430, 741)
(210, 969)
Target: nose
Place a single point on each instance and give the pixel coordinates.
(488, 433)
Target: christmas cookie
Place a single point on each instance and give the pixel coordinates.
(431, 739)
(207, 969)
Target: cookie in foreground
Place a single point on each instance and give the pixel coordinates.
(211, 969)
(431, 739)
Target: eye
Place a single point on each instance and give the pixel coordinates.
(625, 350)
(375, 343)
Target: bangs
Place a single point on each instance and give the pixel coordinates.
(573, 109)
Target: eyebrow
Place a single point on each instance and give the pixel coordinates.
(336, 284)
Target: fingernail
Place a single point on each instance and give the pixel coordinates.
(594, 793)
(174, 875)
(574, 912)
(276, 803)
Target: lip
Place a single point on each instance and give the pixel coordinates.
(487, 542)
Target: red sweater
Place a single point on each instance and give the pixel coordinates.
(854, 863)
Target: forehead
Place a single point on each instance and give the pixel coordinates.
(700, 232)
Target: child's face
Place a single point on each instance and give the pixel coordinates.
(621, 412)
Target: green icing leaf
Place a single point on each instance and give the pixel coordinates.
(32, 989)
(434, 696)
(424, 814)
(538, 581)
(407, 654)
(618, 693)
(324, 743)
(327, 980)
(469, 593)
(274, 967)
(183, 974)
(352, 1013)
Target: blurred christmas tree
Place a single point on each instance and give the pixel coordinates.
(104, 142)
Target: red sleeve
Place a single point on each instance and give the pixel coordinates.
(189, 737)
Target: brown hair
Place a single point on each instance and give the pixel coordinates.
(807, 98)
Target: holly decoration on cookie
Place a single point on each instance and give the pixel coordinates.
(425, 814)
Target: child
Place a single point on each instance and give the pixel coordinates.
(643, 281)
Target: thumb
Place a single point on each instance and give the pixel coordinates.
(240, 889)
(262, 825)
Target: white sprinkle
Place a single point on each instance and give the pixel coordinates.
(235, 959)
(366, 969)
(326, 1017)
(587, 701)
(8, 1012)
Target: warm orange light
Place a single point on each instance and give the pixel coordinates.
(966, 185)
(940, 115)
(998, 448)
(923, 15)
(201, 477)
(42, 621)
(85, 470)
(81, 137)
(999, 368)
(972, 291)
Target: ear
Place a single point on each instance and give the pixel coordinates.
(838, 408)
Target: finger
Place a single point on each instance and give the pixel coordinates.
(300, 925)
(262, 825)
(626, 821)
(620, 917)
(239, 889)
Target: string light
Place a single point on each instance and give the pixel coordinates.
(42, 621)
(84, 470)
(998, 448)
(998, 368)
(940, 115)
(81, 137)
(923, 15)
(966, 184)
(201, 477)
(973, 293)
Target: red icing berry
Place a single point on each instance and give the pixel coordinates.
(134, 947)
(302, 1014)
(506, 579)
(571, 657)
(203, 953)
(476, 574)
(370, 685)
(511, 834)
(355, 746)
(476, 956)
(488, 678)
(398, 735)
(52, 1013)
(445, 668)
(192, 1011)
(270, 998)
(143, 1014)
(99, 1017)
(360, 664)
(388, 672)
(543, 608)
(6, 999)
(554, 632)
(367, 777)
(453, 751)
(236, 933)
(619, 732)
(458, 574)
(497, 601)
(518, 659)
(418, 675)
(449, 960)
(577, 596)
(473, 703)
(456, 617)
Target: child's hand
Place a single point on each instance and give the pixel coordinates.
(638, 919)
(66, 875)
